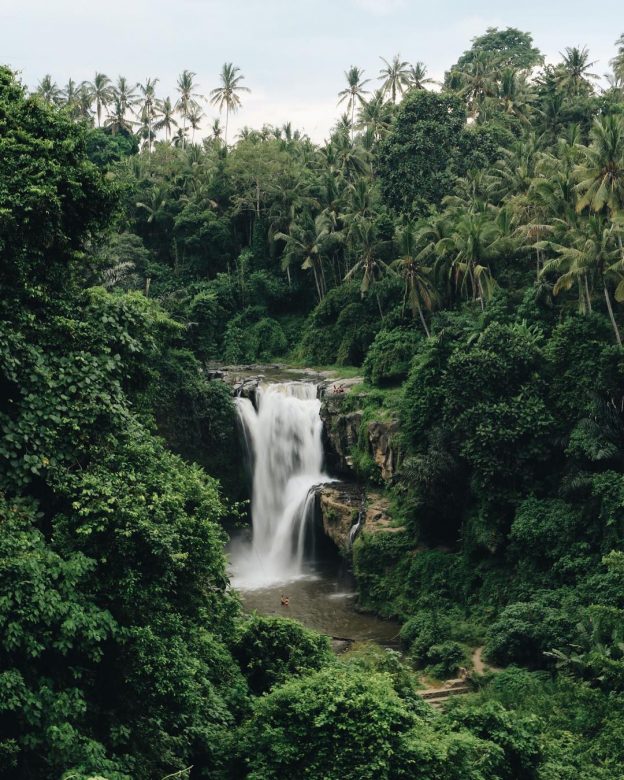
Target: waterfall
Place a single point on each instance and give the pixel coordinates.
(283, 437)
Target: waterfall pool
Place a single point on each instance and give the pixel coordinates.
(283, 555)
(322, 597)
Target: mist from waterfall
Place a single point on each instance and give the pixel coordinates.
(283, 438)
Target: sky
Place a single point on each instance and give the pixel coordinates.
(293, 53)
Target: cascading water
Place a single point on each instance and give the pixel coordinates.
(283, 436)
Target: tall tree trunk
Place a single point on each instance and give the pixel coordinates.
(589, 305)
(381, 314)
(611, 316)
(227, 121)
(423, 320)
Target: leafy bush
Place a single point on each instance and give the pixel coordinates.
(445, 659)
(272, 650)
(344, 724)
(388, 358)
(525, 631)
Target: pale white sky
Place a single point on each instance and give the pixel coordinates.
(293, 53)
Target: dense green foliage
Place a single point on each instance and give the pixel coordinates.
(465, 248)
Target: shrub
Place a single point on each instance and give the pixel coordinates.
(525, 631)
(445, 659)
(389, 356)
(272, 650)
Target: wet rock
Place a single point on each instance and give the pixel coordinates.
(339, 508)
(345, 507)
(382, 440)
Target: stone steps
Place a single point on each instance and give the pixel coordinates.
(437, 696)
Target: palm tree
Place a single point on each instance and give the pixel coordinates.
(186, 103)
(475, 239)
(195, 116)
(125, 94)
(601, 175)
(148, 108)
(366, 245)
(306, 242)
(354, 93)
(374, 115)
(101, 91)
(49, 90)
(515, 95)
(228, 93)
(166, 117)
(395, 76)
(117, 120)
(593, 250)
(419, 290)
(71, 98)
(617, 63)
(418, 76)
(575, 76)
(479, 81)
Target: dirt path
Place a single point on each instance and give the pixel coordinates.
(479, 665)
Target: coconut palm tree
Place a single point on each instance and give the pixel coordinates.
(617, 63)
(148, 109)
(601, 174)
(354, 92)
(117, 120)
(479, 81)
(306, 242)
(575, 77)
(419, 290)
(165, 117)
(228, 93)
(375, 115)
(49, 90)
(366, 245)
(70, 97)
(101, 92)
(395, 77)
(418, 76)
(592, 252)
(195, 116)
(125, 94)
(186, 103)
(475, 239)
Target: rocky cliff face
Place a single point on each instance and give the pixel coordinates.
(342, 429)
(346, 510)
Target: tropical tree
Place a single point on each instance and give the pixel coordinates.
(148, 109)
(49, 90)
(575, 77)
(165, 117)
(70, 95)
(195, 116)
(593, 252)
(395, 77)
(478, 81)
(228, 94)
(366, 246)
(617, 63)
(475, 239)
(601, 174)
(125, 94)
(354, 92)
(101, 92)
(419, 289)
(306, 243)
(117, 119)
(186, 103)
(418, 76)
(375, 115)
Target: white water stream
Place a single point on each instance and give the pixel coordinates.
(283, 438)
